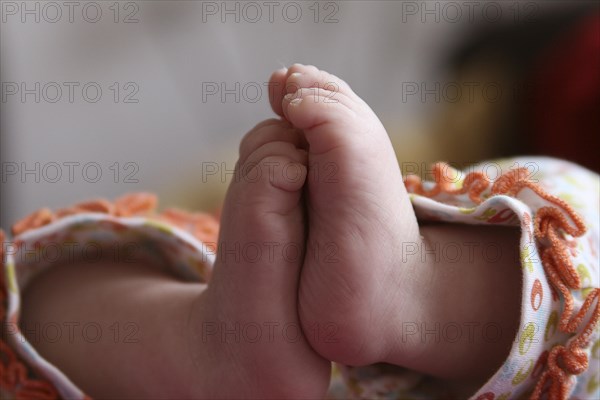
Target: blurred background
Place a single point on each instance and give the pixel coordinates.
(108, 97)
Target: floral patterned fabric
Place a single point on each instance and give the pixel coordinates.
(557, 334)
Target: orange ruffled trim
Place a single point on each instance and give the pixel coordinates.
(550, 224)
(203, 226)
(15, 378)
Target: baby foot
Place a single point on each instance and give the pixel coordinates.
(247, 322)
(359, 215)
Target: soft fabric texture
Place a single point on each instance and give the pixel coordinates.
(555, 354)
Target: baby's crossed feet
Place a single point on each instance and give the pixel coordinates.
(240, 336)
(352, 304)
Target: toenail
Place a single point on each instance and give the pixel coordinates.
(296, 101)
(296, 75)
(289, 96)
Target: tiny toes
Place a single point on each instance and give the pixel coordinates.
(279, 164)
(319, 95)
(272, 130)
(283, 173)
(310, 107)
(302, 76)
(277, 89)
(279, 148)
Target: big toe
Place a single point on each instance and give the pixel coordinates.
(277, 90)
(300, 76)
(324, 106)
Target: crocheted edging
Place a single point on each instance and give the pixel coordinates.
(550, 223)
(16, 378)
